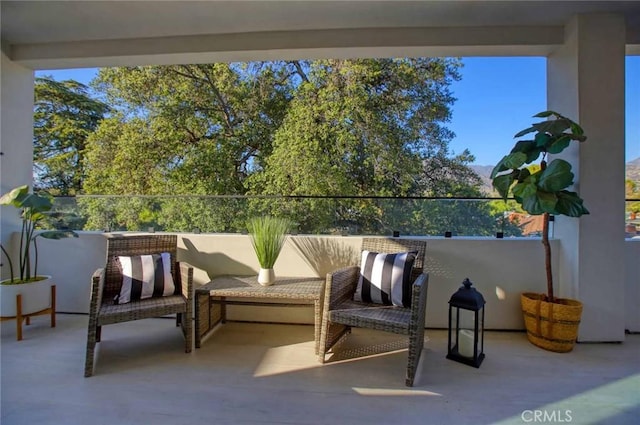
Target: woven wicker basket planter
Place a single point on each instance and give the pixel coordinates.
(552, 326)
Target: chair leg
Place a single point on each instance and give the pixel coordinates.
(19, 317)
(53, 306)
(322, 345)
(330, 335)
(91, 346)
(411, 369)
(187, 330)
(93, 337)
(416, 344)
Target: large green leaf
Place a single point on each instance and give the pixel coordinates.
(509, 162)
(546, 114)
(525, 189)
(578, 137)
(523, 132)
(499, 168)
(559, 144)
(527, 184)
(578, 132)
(529, 148)
(540, 203)
(570, 204)
(502, 184)
(515, 160)
(21, 198)
(553, 126)
(15, 196)
(542, 139)
(557, 176)
(36, 203)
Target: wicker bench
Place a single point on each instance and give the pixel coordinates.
(212, 299)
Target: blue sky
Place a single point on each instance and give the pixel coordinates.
(496, 98)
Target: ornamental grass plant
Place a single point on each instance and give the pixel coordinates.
(268, 235)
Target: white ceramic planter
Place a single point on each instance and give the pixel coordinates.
(36, 296)
(266, 277)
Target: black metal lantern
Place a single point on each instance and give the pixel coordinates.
(466, 326)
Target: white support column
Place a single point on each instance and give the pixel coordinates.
(16, 139)
(585, 81)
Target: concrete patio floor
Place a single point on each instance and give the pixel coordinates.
(248, 373)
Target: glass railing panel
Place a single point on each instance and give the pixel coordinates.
(311, 215)
(632, 218)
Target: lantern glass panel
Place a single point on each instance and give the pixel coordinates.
(481, 331)
(466, 333)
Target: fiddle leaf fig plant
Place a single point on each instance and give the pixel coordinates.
(32, 208)
(542, 190)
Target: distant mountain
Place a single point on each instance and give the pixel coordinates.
(632, 172)
(484, 171)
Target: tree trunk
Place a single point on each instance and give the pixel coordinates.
(547, 256)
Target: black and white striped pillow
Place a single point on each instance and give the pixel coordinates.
(385, 278)
(145, 276)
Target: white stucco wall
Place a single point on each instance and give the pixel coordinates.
(499, 269)
(632, 285)
(16, 135)
(585, 81)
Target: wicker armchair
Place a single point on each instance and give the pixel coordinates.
(107, 281)
(341, 312)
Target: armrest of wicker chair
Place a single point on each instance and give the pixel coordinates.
(339, 288)
(97, 285)
(186, 279)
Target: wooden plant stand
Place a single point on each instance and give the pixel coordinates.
(27, 317)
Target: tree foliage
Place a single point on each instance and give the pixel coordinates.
(362, 127)
(190, 129)
(367, 128)
(64, 116)
(632, 191)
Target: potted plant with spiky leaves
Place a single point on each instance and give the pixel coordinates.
(268, 235)
(27, 282)
(544, 191)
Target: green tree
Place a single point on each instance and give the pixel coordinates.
(64, 117)
(361, 127)
(632, 191)
(200, 128)
(370, 127)
(185, 130)
(366, 128)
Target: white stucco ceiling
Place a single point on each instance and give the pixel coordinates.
(49, 33)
